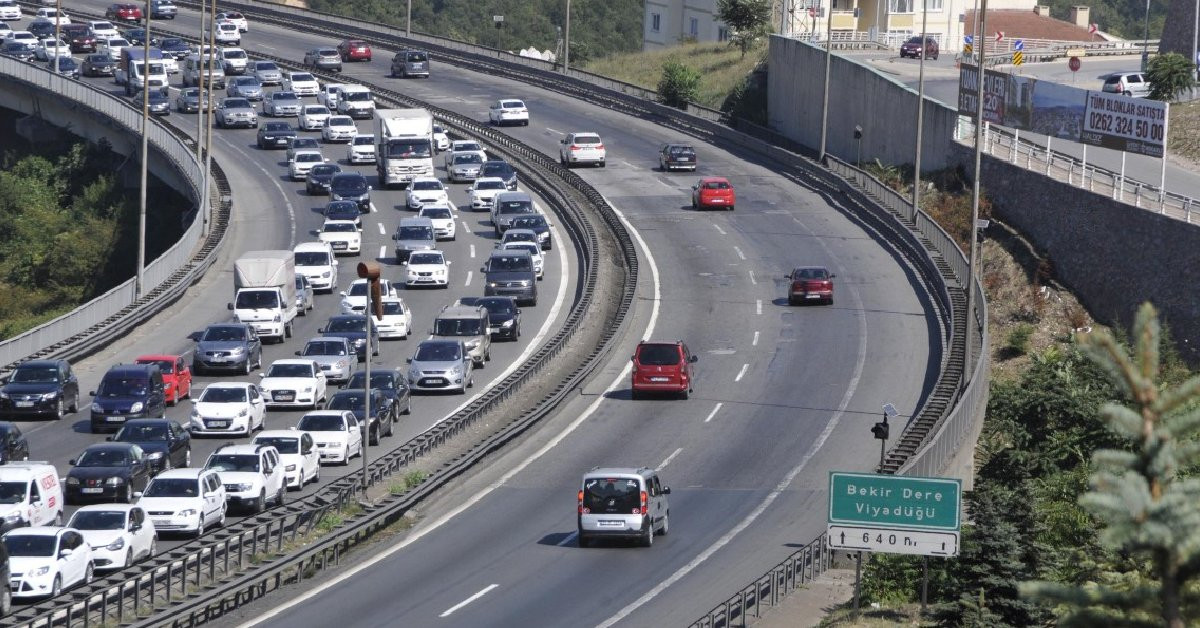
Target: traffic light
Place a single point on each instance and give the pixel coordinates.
(370, 272)
(880, 430)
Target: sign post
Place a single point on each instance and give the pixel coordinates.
(499, 21)
(1018, 51)
(1074, 63)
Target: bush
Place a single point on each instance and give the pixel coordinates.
(1018, 340)
(1170, 75)
(679, 84)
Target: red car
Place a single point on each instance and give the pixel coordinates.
(124, 13)
(662, 367)
(713, 192)
(177, 376)
(354, 50)
(810, 283)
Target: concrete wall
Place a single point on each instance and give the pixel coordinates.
(885, 108)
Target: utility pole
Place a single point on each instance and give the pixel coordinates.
(369, 271)
(972, 260)
(567, 40)
(139, 285)
(828, 66)
(57, 32)
(1146, 38)
(207, 70)
(200, 112)
(916, 196)
(408, 21)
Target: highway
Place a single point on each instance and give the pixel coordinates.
(783, 396)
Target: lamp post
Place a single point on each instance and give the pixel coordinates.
(1195, 34)
(1146, 38)
(206, 69)
(139, 286)
(916, 198)
(974, 253)
(408, 21)
(567, 40)
(57, 31)
(370, 272)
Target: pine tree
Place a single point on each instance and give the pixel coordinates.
(1147, 508)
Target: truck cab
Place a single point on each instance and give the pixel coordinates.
(132, 70)
(404, 145)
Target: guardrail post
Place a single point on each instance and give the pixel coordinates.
(1187, 208)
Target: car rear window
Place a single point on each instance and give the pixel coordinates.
(658, 355)
(612, 496)
(716, 185)
(587, 139)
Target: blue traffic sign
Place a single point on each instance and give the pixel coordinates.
(1018, 44)
(968, 40)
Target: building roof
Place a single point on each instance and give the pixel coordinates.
(1022, 24)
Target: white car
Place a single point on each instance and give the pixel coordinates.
(53, 15)
(303, 83)
(119, 534)
(113, 46)
(441, 141)
(293, 383)
(442, 218)
(484, 190)
(49, 48)
(22, 36)
(535, 251)
(5, 29)
(235, 18)
(228, 408)
(424, 190)
(465, 146)
(339, 129)
(297, 454)
(9, 10)
(252, 475)
(45, 561)
(227, 34)
(581, 148)
(185, 500)
(267, 72)
(427, 268)
(328, 95)
(316, 261)
(103, 29)
(342, 235)
(313, 117)
(361, 149)
(397, 319)
(303, 161)
(336, 433)
(508, 111)
(234, 60)
(170, 64)
(354, 299)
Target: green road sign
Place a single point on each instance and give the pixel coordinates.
(894, 501)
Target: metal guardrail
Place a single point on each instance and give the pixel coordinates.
(95, 323)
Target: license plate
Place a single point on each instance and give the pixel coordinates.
(285, 397)
(281, 142)
(435, 381)
(24, 404)
(659, 379)
(685, 159)
(91, 490)
(612, 524)
(718, 200)
(115, 419)
(812, 296)
(340, 245)
(218, 423)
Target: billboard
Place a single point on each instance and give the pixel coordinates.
(1133, 125)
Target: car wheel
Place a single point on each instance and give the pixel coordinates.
(56, 588)
(187, 458)
(373, 437)
(258, 362)
(166, 466)
(60, 409)
(407, 408)
(58, 519)
(300, 484)
(287, 328)
(5, 601)
(246, 367)
(685, 394)
(261, 504)
(281, 497)
(128, 557)
(602, 164)
(127, 497)
(634, 394)
(153, 548)
(317, 476)
(74, 403)
(666, 524)
(648, 535)
(584, 540)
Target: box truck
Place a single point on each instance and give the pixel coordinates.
(130, 73)
(264, 292)
(403, 145)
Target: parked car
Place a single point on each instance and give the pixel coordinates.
(713, 192)
(39, 388)
(662, 367)
(913, 48)
(810, 283)
(166, 443)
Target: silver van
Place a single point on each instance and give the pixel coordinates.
(507, 207)
(624, 503)
(408, 63)
(192, 71)
(468, 323)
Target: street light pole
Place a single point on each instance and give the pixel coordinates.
(825, 96)
(1195, 42)
(916, 197)
(1146, 38)
(408, 21)
(139, 286)
(974, 253)
(371, 272)
(567, 40)
(57, 31)
(208, 126)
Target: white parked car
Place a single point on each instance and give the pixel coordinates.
(293, 382)
(442, 218)
(581, 148)
(251, 473)
(103, 29)
(303, 83)
(339, 129)
(336, 433)
(185, 500)
(361, 149)
(535, 251)
(45, 561)
(508, 111)
(354, 298)
(427, 268)
(297, 454)
(342, 235)
(397, 319)
(484, 190)
(425, 190)
(303, 161)
(313, 117)
(228, 408)
(441, 141)
(328, 95)
(119, 534)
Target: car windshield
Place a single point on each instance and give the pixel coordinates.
(308, 158)
(13, 492)
(321, 423)
(658, 355)
(324, 347)
(283, 96)
(409, 149)
(349, 184)
(587, 139)
(290, 370)
(35, 374)
(167, 367)
(103, 458)
(465, 146)
(237, 54)
(515, 207)
(509, 262)
(266, 66)
(415, 233)
(303, 142)
(436, 213)
(470, 158)
(325, 169)
(256, 299)
(611, 495)
(340, 121)
(111, 387)
(416, 57)
(715, 185)
(233, 462)
(489, 185)
(171, 42)
(364, 140)
(173, 487)
(457, 327)
(422, 259)
(427, 185)
(532, 222)
(393, 308)
(498, 306)
(316, 110)
(223, 394)
(681, 151)
(98, 520)
(312, 258)
(236, 103)
(914, 40)
(340, 227)
(533, 248)
(358, 289)
(518, 236)
(512, 104)
(496, 170)
(302, 76)
(142, 433)
(357, 96)
(224, 334)
(379, 381)
(30, 544)
(283, 444)
(349, 323)
(438, 352)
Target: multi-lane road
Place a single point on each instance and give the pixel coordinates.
(783, 394)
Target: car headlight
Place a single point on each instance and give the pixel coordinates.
(471, 344)
(244, 412)
(98, 408)
(492, 284)
(414, 374)
(360, 342)
(117, 544)
(325, 275)
(308, 389)
(508, 323)
(49, 396)
(72, 481)
(41, 571)
(115, 481)
(278, 318)
(237, 350)
(3, 395)
(137, 406)
(154, 455)
(346, 304)
(188, 512)
(12, 517)
(195, 413)
(456, 370)
(342, 363)
(545, 235)
(290, 467)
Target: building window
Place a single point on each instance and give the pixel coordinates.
(933, 5)
(655, 22)
(694, 27)
(723, 33)
(900, 6)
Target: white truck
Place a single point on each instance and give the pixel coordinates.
(264, 284)
(129, 70)
(403, 145)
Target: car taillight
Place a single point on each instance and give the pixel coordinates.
(599, 146)
(574, 147)
(797, 285)
(644, 508)
(581, 508)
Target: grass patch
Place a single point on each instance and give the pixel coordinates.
(1184, 138)
(722, 68)
(408, 482)
(870, 617)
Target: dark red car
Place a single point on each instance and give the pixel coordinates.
(124, 13)
(79, 36)
(713, 192)
(912, 48)
(176, 374)
(810, 283)
(662, 367)
(354, 50)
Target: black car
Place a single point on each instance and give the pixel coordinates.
(66, 66)
(501, 169)
(351, 186)
(46, 388)
(317, 181)
(677, 157)
(13, 444)
(275, 135)
(538, 224)
(18, 50)
(79, 37)
(137, 37)
(41, 27)
(107, 472)
(343, 210)
(175, 47)
(504, 317)
(352, 327)
(98, 64)
(355, 400)
(160, 102)
(166, 444)
(389, 381)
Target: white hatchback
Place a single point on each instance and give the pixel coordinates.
(442, 218)
(425, 190)
(303, 83)
(45, 561)
(303, 161)
(342, 235)
(336, 434)
(361, 149)
(427, 268)
(185, 500)
(313, 117)
(316, 261)
(102, 29)
(484, 190)
(297, 453)
(397, 319)
(119, 534)
(228, 408)
(339, 129)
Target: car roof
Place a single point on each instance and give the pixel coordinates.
(228, 385)
(714, 180)
(188, 473)
(157, 356)
(326, 339)
(306, 247)
(131, 368)
(239, 449)
(292, 360)
(39, 531)
(39, 363)
(618, 471)
(279, 434)
(113, 446)
(107, 507)
(510, 253)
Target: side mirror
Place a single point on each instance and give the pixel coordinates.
(694, 359)
(91, 393)
(137, 494)
(71, 462)
(264, 374)
(65, 553)
(297, 353)
(632, 358)
(343, 293)
(666, 490)
(195, 336)
(408, 360)
(229, 306)
(321, 330)
(369, 188)
(134, 527)
(483, 269)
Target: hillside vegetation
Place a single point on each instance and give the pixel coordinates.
(1125, 19)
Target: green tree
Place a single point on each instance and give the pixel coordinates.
(749, 20)
(1148, 508)
(1170, 75)
(679, 84)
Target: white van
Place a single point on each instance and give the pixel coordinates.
(316, 261)
(192, 71)
(355, 101)
(30, 495)
(622, 503)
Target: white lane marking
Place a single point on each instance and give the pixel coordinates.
(782, 486)
(472, 250)
(382, 252)
(670, 458)
(741, 373)
(559, 133)
(466, 227)
(715, 410)
(272, 178)
(374, 210)
(381, 229)
(718, 228)
(758, 307)
(754, 343)
(453, 207)
(569, 540)
(741, 255)
(469, 273)
(752, 279)
(626, 163)
(420, 533)
(463, 603)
